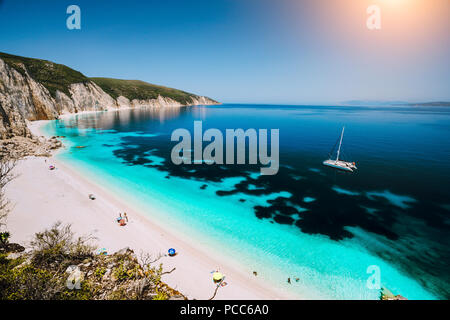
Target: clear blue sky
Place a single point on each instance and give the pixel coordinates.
(250, 51)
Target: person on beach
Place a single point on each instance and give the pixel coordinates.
(289, 280)
(125, 216)
(120, 217)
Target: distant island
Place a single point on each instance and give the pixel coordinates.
(396, 103)
(430, 104)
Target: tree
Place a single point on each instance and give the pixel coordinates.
(6, 175)
(4, 239)
(58, 247)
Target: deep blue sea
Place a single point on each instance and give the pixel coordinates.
(310, 222)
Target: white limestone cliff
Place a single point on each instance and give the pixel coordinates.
(22, 98)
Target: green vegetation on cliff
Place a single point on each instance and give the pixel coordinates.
(135, 89)
(59, 77)
(51, 75)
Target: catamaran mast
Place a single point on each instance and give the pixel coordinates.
(340, 143)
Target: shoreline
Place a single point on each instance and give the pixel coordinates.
(193, 265)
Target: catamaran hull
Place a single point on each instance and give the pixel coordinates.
(340, 165)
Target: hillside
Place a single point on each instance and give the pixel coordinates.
(51, 75)
(56, 77)
(35, 89)
(136, 89)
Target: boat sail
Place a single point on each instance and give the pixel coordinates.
(340, 164)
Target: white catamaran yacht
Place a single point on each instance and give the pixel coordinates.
(340, 164)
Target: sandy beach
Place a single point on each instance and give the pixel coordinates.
(42, 197)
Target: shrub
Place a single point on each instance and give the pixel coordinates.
(160, 296)
(99, 272)
(118, 294)
(123, 273)
(56, 247)
(28, 282)
(4, 238)
(85, 293)
(41, 275)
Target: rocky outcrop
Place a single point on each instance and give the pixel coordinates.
(122, 276)
(163, 102)
(388, 295)
(19, 147)
(23, 98)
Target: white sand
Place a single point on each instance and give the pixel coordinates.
(41, 197)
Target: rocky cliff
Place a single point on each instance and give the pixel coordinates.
(33, 89)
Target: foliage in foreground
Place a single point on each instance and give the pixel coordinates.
(42, 273)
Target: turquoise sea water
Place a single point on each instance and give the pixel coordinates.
(325, 228)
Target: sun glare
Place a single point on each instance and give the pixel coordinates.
(396, 3)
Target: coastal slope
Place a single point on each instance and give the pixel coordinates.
(34, 89)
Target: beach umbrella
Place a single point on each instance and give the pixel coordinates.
(217, 276)
(102, 251)
(171, 252)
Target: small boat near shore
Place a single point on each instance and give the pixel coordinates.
(340, 164)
